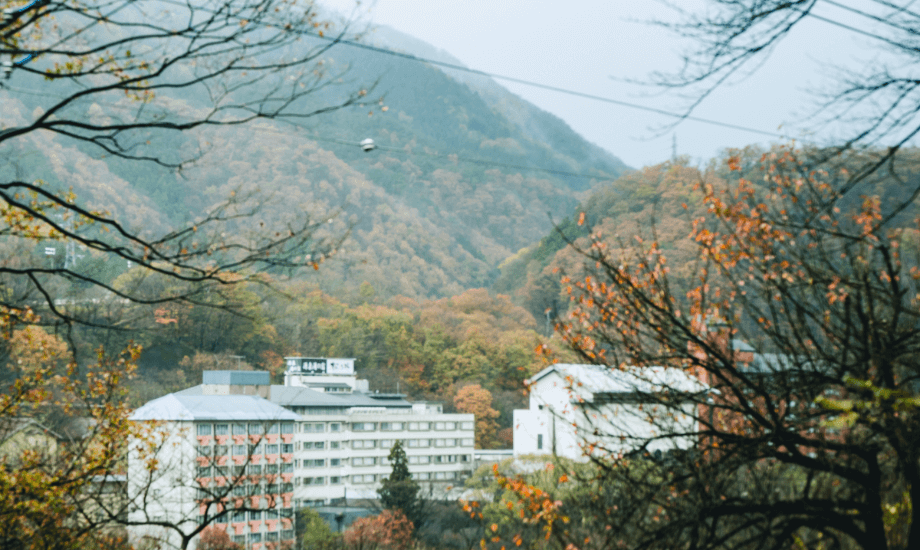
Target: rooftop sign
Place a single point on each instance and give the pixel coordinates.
(320, 365)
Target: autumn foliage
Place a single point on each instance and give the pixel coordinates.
(214, 538)
(390, 530)
(476, 400)
(800, 315)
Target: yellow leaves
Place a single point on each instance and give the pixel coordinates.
(581, 218)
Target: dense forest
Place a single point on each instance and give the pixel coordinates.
(447, 271)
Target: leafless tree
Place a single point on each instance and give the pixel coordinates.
(876, 105)
(231, 63)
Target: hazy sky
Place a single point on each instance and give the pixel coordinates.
(594, 45)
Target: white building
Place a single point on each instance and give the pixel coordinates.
(326, 441)
(209, 452)
(577, 410)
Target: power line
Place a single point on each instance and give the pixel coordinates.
(447, 156)
(352, 143)
(533, 84)
(567, 91)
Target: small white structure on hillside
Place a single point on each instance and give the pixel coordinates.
(579, 410)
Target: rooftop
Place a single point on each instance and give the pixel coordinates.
(183, 406)
(599, 379)
(301, 396)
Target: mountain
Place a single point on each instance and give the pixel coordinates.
(431, 212)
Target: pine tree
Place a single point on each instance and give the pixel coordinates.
(398, 491)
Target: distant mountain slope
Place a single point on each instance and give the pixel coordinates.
(541, 127)
(431, 212)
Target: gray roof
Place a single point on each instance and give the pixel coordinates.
(296, 396)
(599, 379)
(212, 407)
(741, 345)
(236, 377)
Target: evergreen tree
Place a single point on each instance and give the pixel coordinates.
(399, 492)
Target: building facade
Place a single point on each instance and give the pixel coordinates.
(260, 451)
(579, 410)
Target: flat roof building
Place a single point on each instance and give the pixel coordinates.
(251, 452)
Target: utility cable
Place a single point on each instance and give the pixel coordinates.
(558, 89)
(352, 143)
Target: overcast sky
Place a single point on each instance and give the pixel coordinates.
(594, 45)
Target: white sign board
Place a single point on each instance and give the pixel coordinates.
(311, 365)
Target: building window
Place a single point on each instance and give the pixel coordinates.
(203, 450)
(420, 459)
(254, 469)
(204, 429)
(421, 476)
(239, 539)
(287, 448)
(468, 442)
(314, 463)
(466, 426)
(204, 471)
(335, 427)
(314, 481)
(539, 441)
(287, 428)
(239, 450)
(272, 468)
(365, 478)
(255, 537)
(335, 480)
(285, 468)
(315, 427)
(363, 426)
(419, 426)
(255, 515)
(364, 461)
(364, 444)
(221, 429)
(335, 461)
(391, 426)
(256, 429)
(238, 517)
(239, 429)
(271, 449)
(386, 443)
(334, 445)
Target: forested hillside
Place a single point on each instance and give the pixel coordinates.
(464, 175)
(662, 202)
(422, 220)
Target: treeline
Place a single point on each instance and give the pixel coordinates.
(471, 352)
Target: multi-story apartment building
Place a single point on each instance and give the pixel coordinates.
(321, 438)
